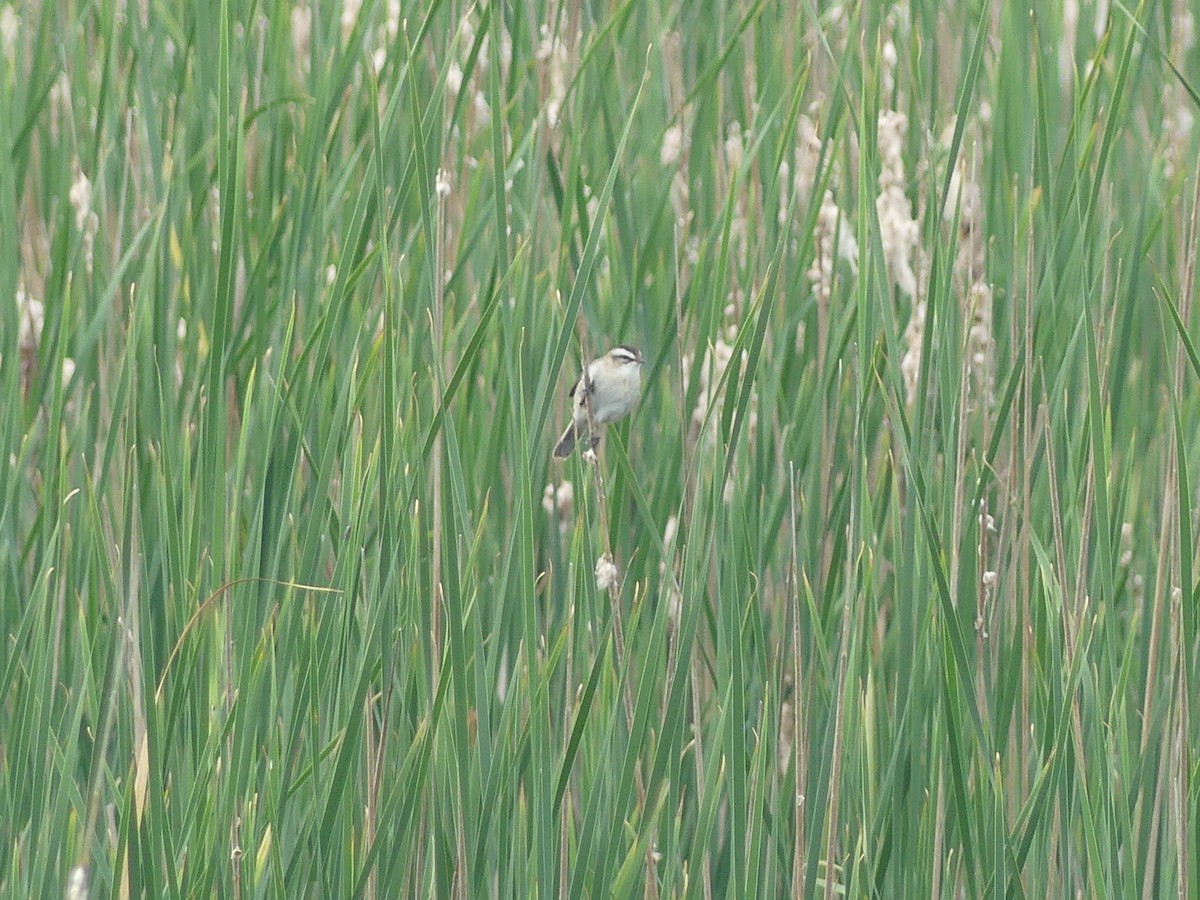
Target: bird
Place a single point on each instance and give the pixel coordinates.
(609, 389)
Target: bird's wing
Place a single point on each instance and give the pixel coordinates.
(591, 388)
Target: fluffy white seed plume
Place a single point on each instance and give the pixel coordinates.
(607, 574)
(559, 502)
(981, 345)
(671, 583)
(717, 359)
(454, 78)
(301, 36)
(441, 183)
(734, 145)
(910, 364)
(672, 145)
(60, 103)
(483, 110)
(964, 202)
(803, 169)
(964, 206)
(552, 53)
(81, 199)
(10, 27)
(77, 884)
(820, 272)
(898, 231)
(1178, 116)
(787, 735)
(86, 220)
(391, 23)
(833, 238)
(32, 318)
(1066, 46)
(475, 85)
(1178, 122)
(1183, 27)
(887, 77)
(385, 36)
(350, 10)
(711, 397)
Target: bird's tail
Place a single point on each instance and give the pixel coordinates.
(566, 443)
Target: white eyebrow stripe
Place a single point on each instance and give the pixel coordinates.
(627, 355)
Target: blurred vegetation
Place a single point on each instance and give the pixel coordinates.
(294, 601)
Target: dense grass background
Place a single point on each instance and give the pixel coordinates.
(904, 527)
